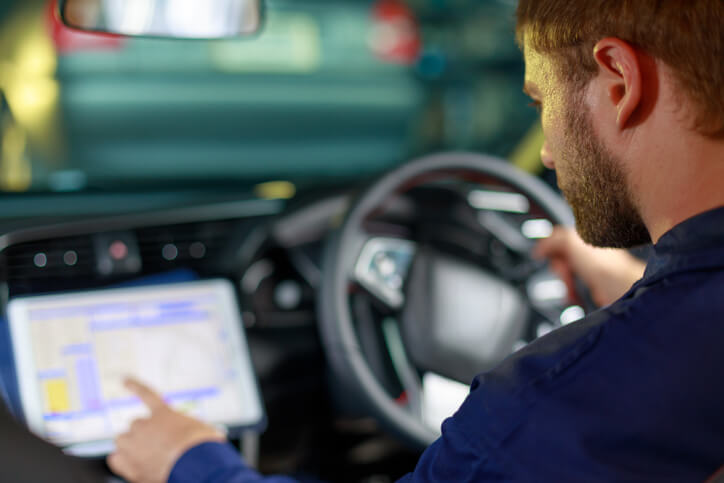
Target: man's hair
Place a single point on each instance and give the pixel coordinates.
(687, 35)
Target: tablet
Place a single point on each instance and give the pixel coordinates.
(185, 340)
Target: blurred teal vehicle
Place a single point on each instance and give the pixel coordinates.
(326, 90)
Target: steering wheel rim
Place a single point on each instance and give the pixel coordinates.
(335, 316)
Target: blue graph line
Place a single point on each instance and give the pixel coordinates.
(52, 374)
(167, 318)
(77, 349)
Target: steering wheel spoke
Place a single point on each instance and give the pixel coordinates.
(382, 268)
(406, 373)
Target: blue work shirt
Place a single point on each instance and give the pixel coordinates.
(633, 392)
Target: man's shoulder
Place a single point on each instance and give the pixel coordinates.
(650, 327)
(689, 301)
(501, 399)
(635, 375)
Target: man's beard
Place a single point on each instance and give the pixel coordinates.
(596, 187)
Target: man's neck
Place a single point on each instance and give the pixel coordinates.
(685, 179)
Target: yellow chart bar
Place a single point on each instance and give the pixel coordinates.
(56, 396)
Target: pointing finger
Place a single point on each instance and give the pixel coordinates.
(148, 396)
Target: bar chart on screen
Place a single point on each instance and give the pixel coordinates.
(177, 345)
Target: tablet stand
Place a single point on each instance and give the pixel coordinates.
(249, 447)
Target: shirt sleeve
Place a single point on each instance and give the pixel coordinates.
(452, 457)
(217, 463)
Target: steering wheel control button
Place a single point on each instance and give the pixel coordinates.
(382, 268)
(546, 289)
(385, 264)
(572, 314)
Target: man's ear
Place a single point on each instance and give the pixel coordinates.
(619, 64)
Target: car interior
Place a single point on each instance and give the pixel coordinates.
(365, 174)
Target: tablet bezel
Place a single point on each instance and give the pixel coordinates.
(23, 356)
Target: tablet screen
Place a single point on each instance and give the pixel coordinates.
(185, 340)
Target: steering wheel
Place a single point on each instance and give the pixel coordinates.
(454, 318)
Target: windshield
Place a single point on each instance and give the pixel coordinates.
(328, 91)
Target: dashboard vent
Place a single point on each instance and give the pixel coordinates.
(195, 245)
(58, 258)
(70, 262)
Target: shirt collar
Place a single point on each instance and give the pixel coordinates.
(692, 244)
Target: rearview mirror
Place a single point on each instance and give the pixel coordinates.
(188, 19)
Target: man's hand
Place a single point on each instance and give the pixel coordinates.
(608, 273)
(150, 448)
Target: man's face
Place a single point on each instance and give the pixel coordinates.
(590, 176)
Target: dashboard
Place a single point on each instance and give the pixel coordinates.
(271, 251)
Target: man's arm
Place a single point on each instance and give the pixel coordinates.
(453, 457)
(170, 446)
(217, 462)
(608, 273)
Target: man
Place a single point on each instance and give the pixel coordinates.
(631, 94)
